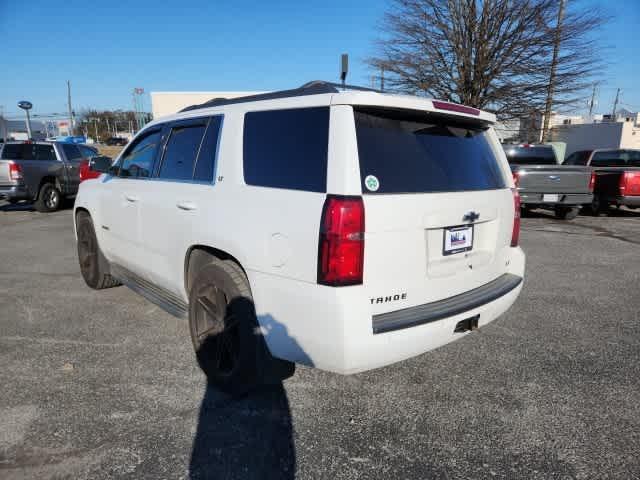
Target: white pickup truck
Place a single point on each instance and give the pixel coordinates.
(333, 227)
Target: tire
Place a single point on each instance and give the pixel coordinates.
(93, 266)
(566, 213)
(599, 205)
(49, 198)
(225, 333)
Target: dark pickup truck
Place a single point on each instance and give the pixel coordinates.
(42, 172)
(542, 183)
(617, 176)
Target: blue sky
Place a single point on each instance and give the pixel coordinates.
(107, 48)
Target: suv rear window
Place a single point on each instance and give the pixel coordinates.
(287, 148)
(405, 153)
(530, 155)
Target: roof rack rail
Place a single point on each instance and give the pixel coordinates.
(315, 87)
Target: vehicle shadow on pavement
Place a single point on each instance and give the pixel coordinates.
(251, 436)
(17, 207)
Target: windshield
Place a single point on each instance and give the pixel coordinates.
(404, 154)
(530, 155)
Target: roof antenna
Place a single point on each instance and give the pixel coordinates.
(344, 68)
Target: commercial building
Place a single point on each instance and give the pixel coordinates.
(167, 103)
(589, 136)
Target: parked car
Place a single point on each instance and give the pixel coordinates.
(116, 141)
(542, 183)
(617, 176)
(340, 229)
(43, 172)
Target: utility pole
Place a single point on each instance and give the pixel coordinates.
(615, 106)
(69, 105)
(552, 75)
(593, 100)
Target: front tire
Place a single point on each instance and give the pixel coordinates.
(225, 332)
(49, 198)
(93, 265)
(566, 213)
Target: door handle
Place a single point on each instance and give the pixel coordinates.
(131, 198)
(186, 206)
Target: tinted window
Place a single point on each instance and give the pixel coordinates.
(287, 148)
(400, 153)
(616, 158)
(14, 151)
(137, 161)
(71, 151)
(578, 158)
(87, 151)
(29, 151)
(44, 152)
(205, 165)
(181, 152)
(530, 155)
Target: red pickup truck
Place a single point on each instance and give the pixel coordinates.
(617, 176)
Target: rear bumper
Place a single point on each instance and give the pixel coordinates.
(527, 198)
(14, 192)
(333, 328)
(629, 201)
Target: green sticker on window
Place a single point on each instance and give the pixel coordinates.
(372, 183)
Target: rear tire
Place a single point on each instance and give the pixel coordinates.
(49, 198)
(566, 213)
(225, 332)
(599, 205)
(93, 265)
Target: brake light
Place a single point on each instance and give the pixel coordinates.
(629, 184)
(454, 107)
(516, 179)
(515, 233)
(85, 170)
(15, 171)
(592, 182)
(341, 244)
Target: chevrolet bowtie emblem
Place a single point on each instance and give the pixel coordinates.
(471, 217)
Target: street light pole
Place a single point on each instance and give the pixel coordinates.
(26, 106)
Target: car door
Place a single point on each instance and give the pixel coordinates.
(122, 193)
(73, 158)
(178, 198)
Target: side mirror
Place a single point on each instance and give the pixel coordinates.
(100, 164)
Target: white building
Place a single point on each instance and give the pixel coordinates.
(167, 103)
(589, 136)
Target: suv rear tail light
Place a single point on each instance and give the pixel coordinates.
(592, 182)
(15, 171)
(515, 233)
(341, 245)
(629, 184)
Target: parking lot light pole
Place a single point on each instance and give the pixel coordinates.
(26, 106)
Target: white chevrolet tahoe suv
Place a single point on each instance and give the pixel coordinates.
(338, 228)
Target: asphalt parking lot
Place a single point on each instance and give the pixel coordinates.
(104, 384)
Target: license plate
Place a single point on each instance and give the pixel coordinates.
(550, 197)
(457, 239)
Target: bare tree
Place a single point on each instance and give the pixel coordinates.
(491, 54)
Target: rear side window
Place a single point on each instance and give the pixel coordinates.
(137, 161)
(205, 165)
(87, 152)
(71, 151)
(181, 151)
(287, 148)
(530, 155)
(400, 153)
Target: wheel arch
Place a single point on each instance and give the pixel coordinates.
(193, 254)
(48, 179)
(76, 211)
